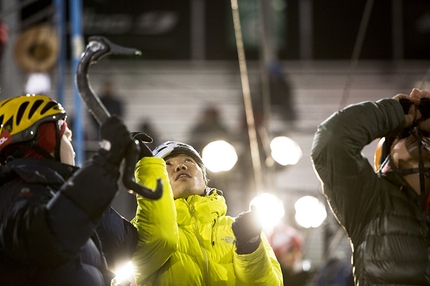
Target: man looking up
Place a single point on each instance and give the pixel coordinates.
(185, 238)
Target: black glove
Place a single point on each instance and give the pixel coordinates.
(247, 228)
(142, 138)
(115, 139)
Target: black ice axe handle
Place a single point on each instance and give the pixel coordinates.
(97, 48)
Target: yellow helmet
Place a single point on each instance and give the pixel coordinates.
(21, 116)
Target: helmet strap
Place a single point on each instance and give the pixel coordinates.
(42, 151)
(421, 165)
(405, 172)
(423, 194)
(421, 170)
(57, 154)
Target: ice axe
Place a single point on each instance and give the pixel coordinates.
(97, 48)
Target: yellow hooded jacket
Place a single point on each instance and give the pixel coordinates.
(190, 241)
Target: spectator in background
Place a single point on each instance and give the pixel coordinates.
(282, 106)
(209, 128)
(110, 100)
(146, 126)
(281, 97)
(4, 36)
(282, 119)
(337, 271)
(287, 243)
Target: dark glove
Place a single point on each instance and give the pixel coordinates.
(115, 139)
(247, 228)
(143, 138)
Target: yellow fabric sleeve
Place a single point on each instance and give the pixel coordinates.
(155, 220)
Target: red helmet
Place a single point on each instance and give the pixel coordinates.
(284, 239)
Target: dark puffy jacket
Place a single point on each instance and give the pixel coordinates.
(380, 213)
(55, 233)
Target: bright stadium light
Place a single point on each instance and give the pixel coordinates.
(219, 156)
(310, 212)
(270, 208)
(285, 151)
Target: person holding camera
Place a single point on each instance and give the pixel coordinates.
(385, 212)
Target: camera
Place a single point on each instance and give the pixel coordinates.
(424, 106)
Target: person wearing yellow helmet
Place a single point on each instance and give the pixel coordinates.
(56, 226)
(31, 126)
(385, 213)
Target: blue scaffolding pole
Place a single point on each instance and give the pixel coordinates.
(77, 49)
(61, 63)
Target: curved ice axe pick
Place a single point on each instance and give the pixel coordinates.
(97, 48)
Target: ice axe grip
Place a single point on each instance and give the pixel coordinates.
(97, 48)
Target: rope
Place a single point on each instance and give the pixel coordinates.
(253, 143)
(356, 52)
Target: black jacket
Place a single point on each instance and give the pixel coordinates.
(380, 212)
(56, 226)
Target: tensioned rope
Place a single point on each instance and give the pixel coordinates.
(356, 51)
(253, 143)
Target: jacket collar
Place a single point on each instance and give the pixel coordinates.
(204, 208)
(34, 170)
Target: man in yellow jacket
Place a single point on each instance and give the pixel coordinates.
(185, 238)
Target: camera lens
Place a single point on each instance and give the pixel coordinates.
(425, 107)
(406, 104)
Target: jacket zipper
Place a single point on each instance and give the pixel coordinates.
(196, 229)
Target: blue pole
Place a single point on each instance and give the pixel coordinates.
(77, 49)
(60, 19)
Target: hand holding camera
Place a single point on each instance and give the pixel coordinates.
(416, 108)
